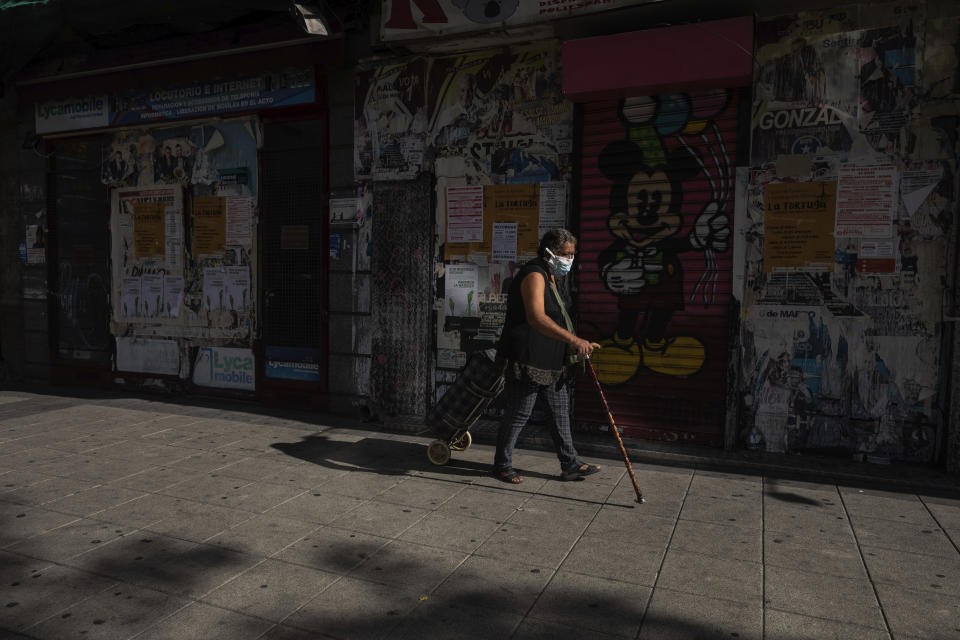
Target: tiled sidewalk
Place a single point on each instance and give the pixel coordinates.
(132, 518)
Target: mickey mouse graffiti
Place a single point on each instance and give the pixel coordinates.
(642, 267)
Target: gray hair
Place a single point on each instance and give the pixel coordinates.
(554, 239)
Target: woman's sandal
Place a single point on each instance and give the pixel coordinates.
(579, 473)
(509, 476)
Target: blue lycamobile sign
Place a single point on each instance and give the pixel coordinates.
(225, 368)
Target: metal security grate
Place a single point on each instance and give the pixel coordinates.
(292, 238)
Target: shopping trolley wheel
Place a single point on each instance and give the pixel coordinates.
(438, 452)
(461, 442)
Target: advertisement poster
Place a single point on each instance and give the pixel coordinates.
(451, 359)
(236, 287)
(345, 210)
(172, 295)
(877, 256)
(174, 238)
(518, 204)
(130, 297)
(460, 290)
(149, 221)
(151, 295)
(390, 121)
(239, 221)
(209, 226)
(224, 153)
(293, 363)
(464, 214)
(803, 102)
(888, 83)
(500, 116)
(798, 222)
(213, 288)
(224, 368)
(504, 248)
(553, 206)
(161, 357)
(866, 201)
(36, 244)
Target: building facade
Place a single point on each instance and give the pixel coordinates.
(765, 200)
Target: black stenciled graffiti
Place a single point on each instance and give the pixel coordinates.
(676, 140)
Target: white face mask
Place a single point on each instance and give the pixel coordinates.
(560, 266)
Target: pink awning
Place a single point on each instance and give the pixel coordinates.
(689, 57)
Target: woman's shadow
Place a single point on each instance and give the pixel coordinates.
(379, 455)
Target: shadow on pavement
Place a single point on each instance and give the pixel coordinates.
(383, 456)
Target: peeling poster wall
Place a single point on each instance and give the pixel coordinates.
(183, 230)
(843, 356)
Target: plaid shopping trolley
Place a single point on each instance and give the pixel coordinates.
(479, 384)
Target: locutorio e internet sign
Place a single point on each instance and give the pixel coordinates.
(76, 113)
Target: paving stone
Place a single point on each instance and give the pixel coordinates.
(332, 549)
(920, 614)
(898, 507)
(263, 535)
(93, 500)
(335, 612)
(596, 556)
(712, 577)
(116, 613)
(494, 584)
(198, 570)
(45, 491)
(674, 615)
(315, 506)
(459, 533)
(914, 571)
(489, 504)
(380, 518)
(38, 594)
(535, 629)
(418, 492)
(836, 558)
(849, 600)
(271, 589)
(792, 626)
(198, 521)
(530, 545)
(210, 623)
(628, 526)
(905, 536)
(140, 558)
(589, 602)
(71, 539)
(411, 565)
(21, 522)
(566, 515)
(720, 540)
(438, 618)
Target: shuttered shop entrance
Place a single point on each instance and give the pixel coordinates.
(657, 199)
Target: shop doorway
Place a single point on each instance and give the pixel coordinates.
(293, 261)
(78, 253)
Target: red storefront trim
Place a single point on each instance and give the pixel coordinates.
(698, 57)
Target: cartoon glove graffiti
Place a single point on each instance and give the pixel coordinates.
(625, 276)
(711, 230)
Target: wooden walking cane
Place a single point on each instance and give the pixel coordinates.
(616, 431)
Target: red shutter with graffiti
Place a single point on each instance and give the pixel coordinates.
(656, 220)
